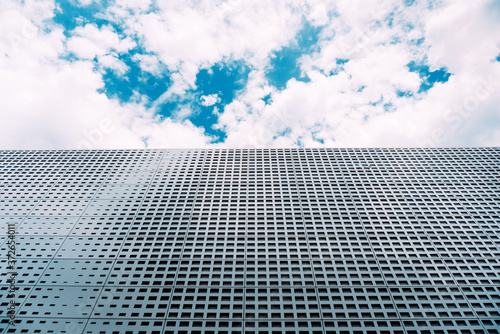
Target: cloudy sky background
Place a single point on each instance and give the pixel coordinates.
(243, 74)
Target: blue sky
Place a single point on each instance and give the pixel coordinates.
(308, 73)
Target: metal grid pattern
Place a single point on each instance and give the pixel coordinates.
(350, 241)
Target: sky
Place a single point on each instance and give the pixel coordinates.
(119, 74)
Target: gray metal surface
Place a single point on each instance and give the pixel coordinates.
(253, 241)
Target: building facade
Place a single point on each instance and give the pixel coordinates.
(250, 241)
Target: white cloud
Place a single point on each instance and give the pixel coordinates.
(112, 62)
(85, 3)
(90, 41)
(52, 103)
(209, 100)
(453, 35)
(360, 107)
(172, 134)
(148, 63)
(187, 36)
(124, 6)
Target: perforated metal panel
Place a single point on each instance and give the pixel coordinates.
(133, 302)
(102, 226)
(28, 270)
(121, 191)
(90, 247)
(16, 207)
(143, 273)
(23, 192)
(34, 247)
(344, 241)
(73, 192)
(57, 207)
(48, 326)
(59, 302)
(114, 326)
(76, 272)
(45, 225)
(5, 221)
(22, 292)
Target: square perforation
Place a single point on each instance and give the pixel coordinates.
(76, 272)
(28, 271)
(59, 302)
(73, 191)
(48, 326)
(89, 248)
(33, 247)
(60, 207)
(48, 225)
(133, 302)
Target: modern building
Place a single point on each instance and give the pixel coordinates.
(251, 241)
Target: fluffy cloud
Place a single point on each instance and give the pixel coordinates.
(177, 135)
(359, 90)
(90, 41)
(197, 34)
(469, 113)
(51, 103)
(209, 100)
(148, 63)
(362, 104)
(112, 62)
